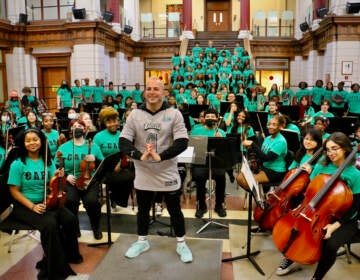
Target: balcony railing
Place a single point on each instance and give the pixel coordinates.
(273, 29)
(156, 31)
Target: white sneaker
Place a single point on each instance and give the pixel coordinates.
(286, 266)
(158, 209)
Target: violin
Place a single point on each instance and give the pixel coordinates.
(299, 233)
(281, 199)
(86, 168)
(57, 186)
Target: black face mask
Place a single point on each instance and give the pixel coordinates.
(78, 132)
(210, 122)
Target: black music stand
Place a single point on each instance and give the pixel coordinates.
(292, 139)
(293, 111)
(108, 163)
(257, 116)
(249, 255)
(195, 109)
(218, 148)
(343, 124)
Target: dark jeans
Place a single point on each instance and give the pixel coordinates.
(90, 198)
(58, 230)
(172, 200)
(200, 175)
(330, 247)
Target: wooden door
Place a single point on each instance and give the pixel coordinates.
(52, 77)
(52, 69)
(218, 15)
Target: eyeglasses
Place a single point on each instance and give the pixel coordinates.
(332, 150)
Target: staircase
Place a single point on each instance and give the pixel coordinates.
(230, 38)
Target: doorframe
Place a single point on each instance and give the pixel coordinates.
(206, 14)
(51, 60)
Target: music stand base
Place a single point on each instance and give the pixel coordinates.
(209, 223)
(109, 243)
(250, 257)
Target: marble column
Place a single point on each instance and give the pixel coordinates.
(244, 19)
(187, 19)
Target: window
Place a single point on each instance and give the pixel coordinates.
(48, 9)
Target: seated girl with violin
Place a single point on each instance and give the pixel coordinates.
(28, 176)
(51, 134)
(338, 231)
(272, 154)
(79, 157)
(120, 180)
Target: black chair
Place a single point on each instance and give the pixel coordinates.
(12, 226)
(347, 247)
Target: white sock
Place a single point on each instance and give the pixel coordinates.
(181, 239)
(142, 238)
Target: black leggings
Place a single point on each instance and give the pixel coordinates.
(330, 247)
(172, 200)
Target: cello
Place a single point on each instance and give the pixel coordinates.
(299, 233)
(280, 200)
(57, 185)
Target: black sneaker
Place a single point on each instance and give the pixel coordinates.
(220, 211)
(232, 178)
(286, 266)
(259, 231)
(97, 234)
(200, 212)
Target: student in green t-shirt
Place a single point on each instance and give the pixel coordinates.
(200, 173)
(123, 174)
(76, 152)
(27, 182)
(272, 154)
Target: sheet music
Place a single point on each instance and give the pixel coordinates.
(187, 155)
(252, 183)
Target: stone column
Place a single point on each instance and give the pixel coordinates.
(14, 8)
(132, 17)
(338, 7)
(187, 19)
(244, 19)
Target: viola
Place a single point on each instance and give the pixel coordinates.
(86, 168)
(281, 200)
(57, 186)
(299, 233)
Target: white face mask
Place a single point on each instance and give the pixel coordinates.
(72, 116)
(5, 118)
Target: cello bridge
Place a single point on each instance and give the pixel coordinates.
(305, 217)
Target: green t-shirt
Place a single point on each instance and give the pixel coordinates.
(110, 92)
(65, 97)
(137, 95)
(99, 94)
(302, 92)
(88, 92)
(350, 175)
(277, 145)
(80, 153)
(30, 177)
(296, 164)
(286, 96)
(14, 107)
(317, 94)
(107, 142)
(77, 93)
(2, 156)
(339, 94)
(353, 99)
(203, 131)
(52, 138)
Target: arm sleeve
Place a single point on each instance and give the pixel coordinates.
(127, 147)
(264, 157)
(175, 149)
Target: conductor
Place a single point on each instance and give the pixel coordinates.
(153, 135)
